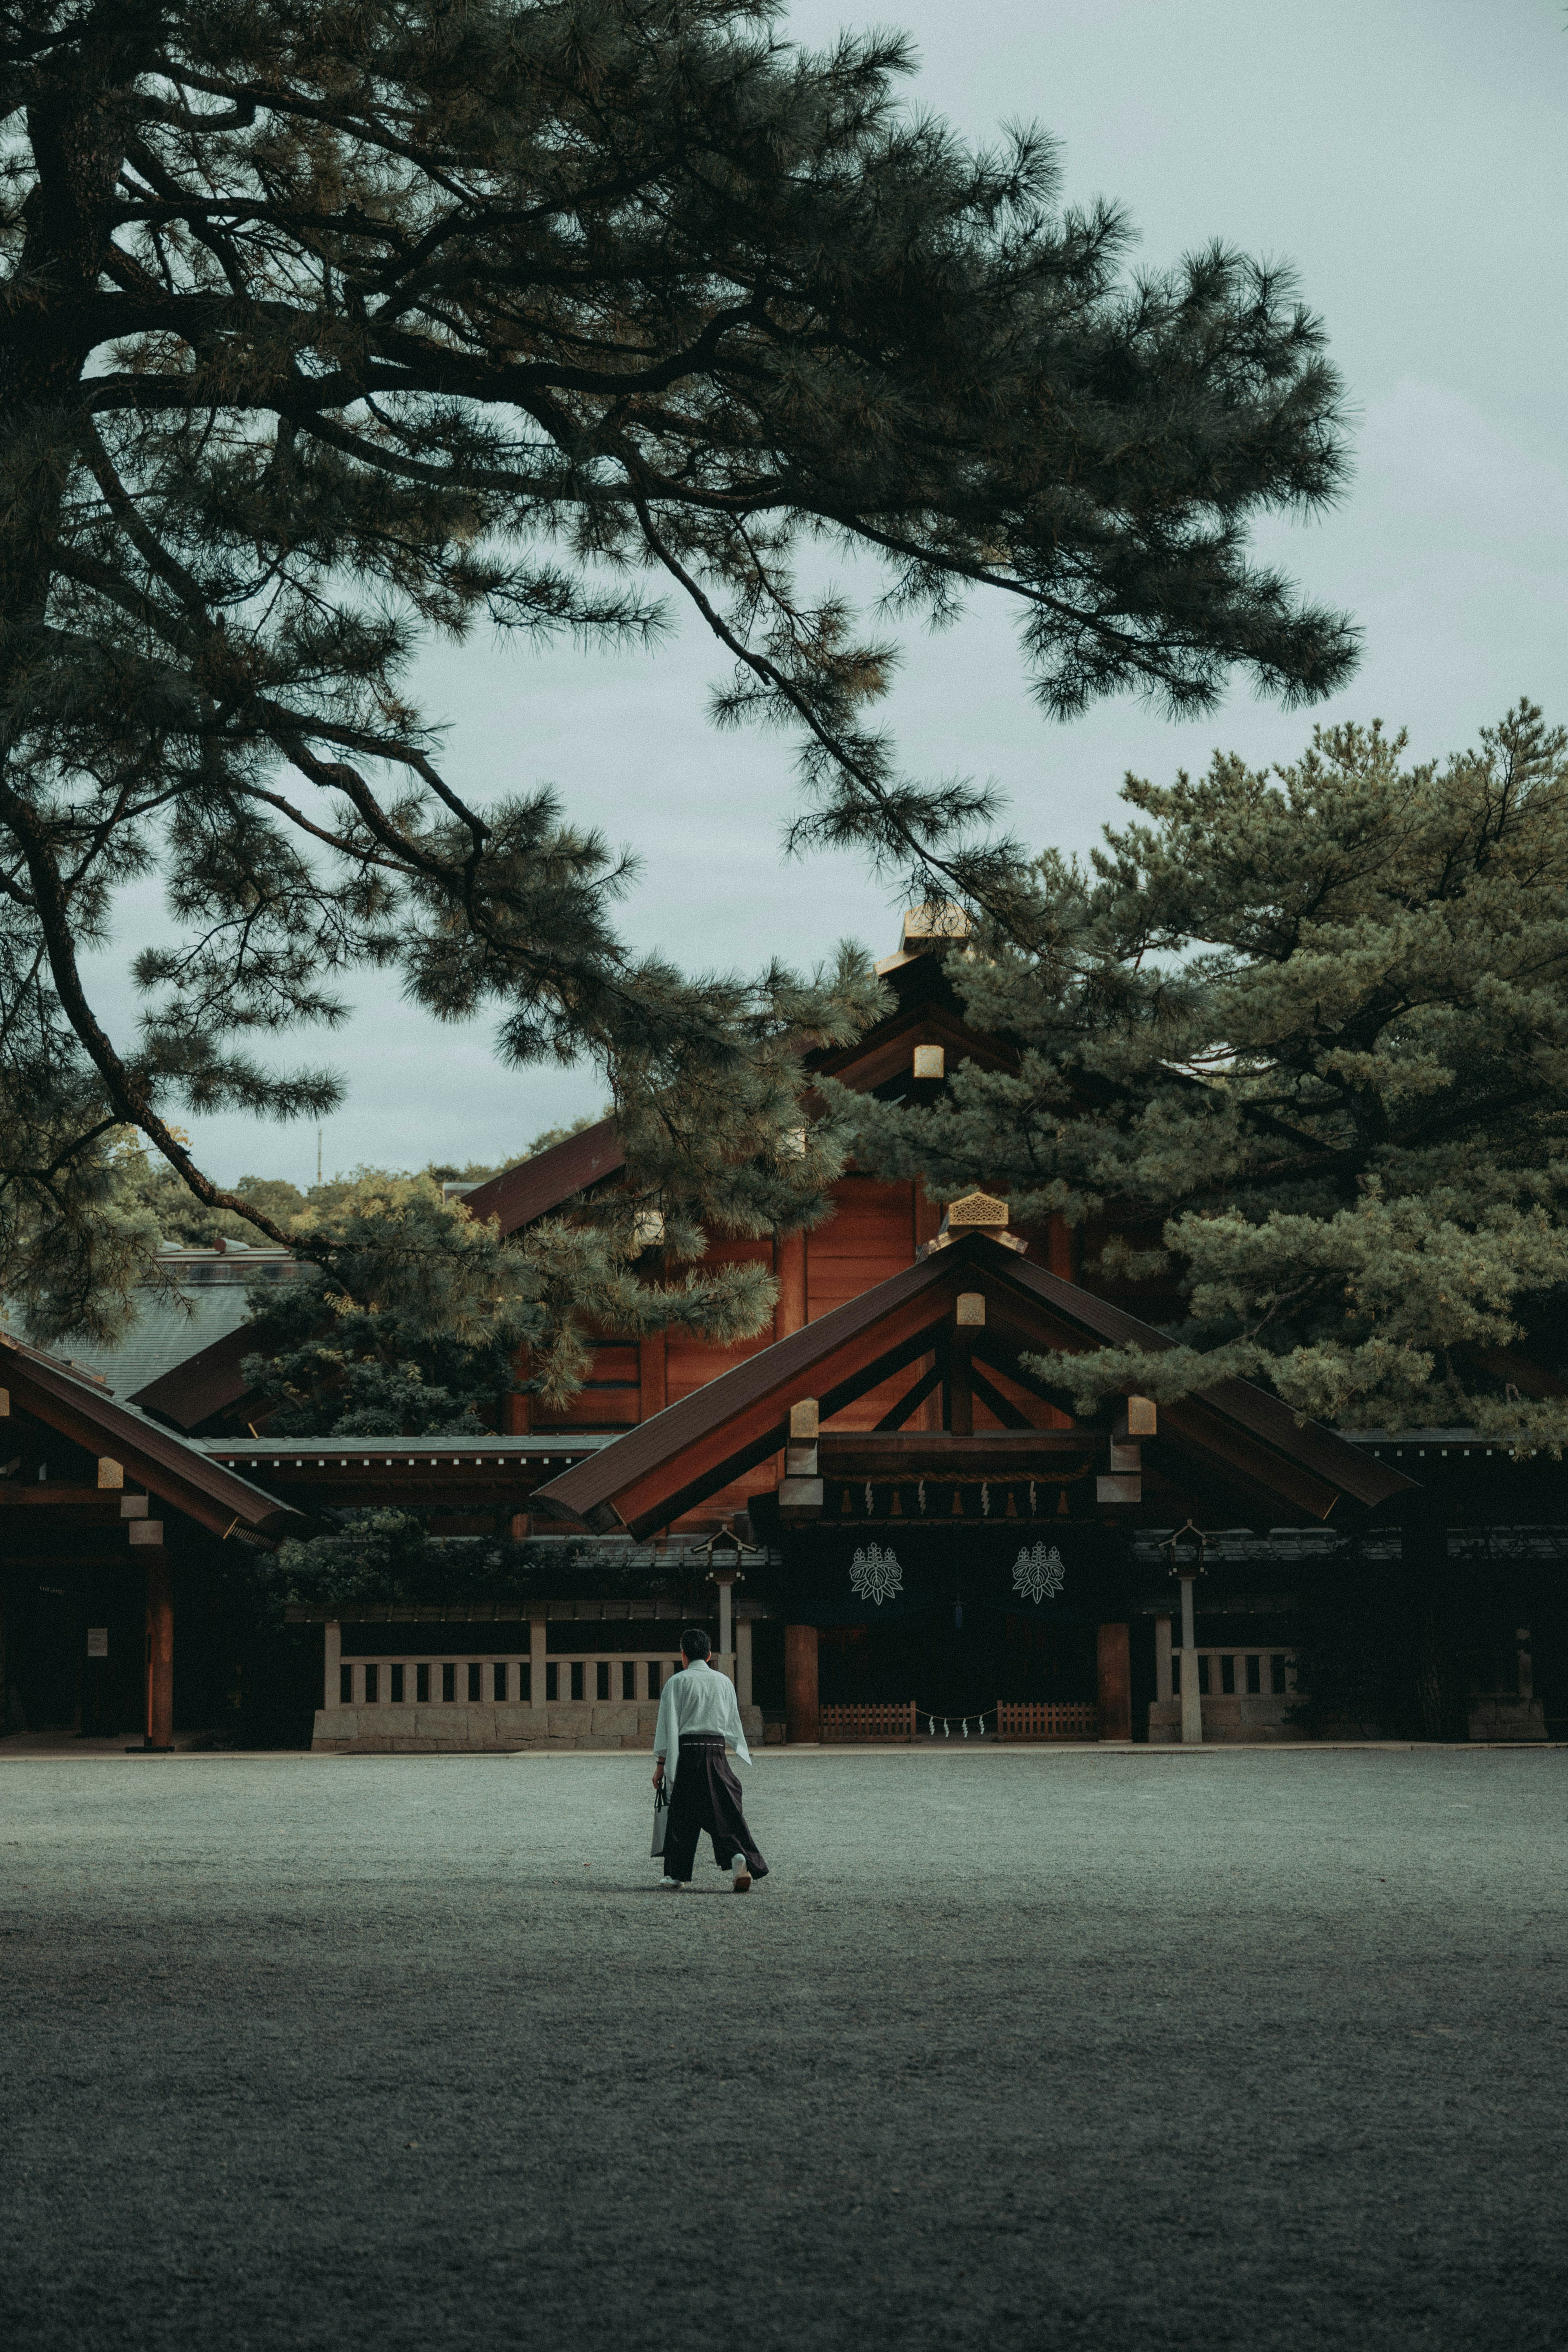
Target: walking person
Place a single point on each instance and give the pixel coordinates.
(697, 1714)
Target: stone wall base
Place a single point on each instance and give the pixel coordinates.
(1507, 1718)
(1233, 1720)
(1250, 1718)
(476, 1729)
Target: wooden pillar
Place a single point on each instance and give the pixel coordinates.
(801, 1683)
(1114, 1663)
(332, 1661)
(1192, 1702)
(789, 1267)
(537, 1656)
(1062, 1248)
(653, 1375)
(160, 1644)
(516, 1414)
(743, 1661)
(726, 1659)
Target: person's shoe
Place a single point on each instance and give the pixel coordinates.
(743, 1877)
(671, 1886)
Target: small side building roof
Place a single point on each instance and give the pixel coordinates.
(179, 1472)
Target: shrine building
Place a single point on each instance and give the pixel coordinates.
(890, 1527)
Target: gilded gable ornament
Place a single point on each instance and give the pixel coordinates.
(976, 1211)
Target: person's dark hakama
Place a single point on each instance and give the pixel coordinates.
(707, 1796)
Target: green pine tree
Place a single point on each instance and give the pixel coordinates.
(414, 1322)
(1308, 1030)
(331, 325)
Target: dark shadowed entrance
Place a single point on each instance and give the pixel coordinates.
(950, 1668)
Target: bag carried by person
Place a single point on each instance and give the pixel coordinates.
(660, 1818)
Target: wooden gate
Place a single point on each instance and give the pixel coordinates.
(894, 1719)
(1046, 1719)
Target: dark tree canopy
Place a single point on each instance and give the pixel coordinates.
(1313, 1021)
(328, 325)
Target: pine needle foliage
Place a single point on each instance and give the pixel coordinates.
(1313, 1024)
(327, 326)
(418, 1328)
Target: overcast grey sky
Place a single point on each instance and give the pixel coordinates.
(1409, 157)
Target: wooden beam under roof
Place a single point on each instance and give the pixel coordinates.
(1232, 1431)
(885, 1456)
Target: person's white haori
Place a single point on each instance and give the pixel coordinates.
(698, 1699)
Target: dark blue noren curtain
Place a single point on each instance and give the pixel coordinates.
(939, 1567)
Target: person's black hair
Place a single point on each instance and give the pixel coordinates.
(695, 1642)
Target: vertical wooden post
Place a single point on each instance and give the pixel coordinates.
(1114, 1663)
(538, 1655)
(1062, 1250)
(653, 1375)
(801, 1685)
(331, 1659)
(743, 1661)
(789, 1267)
(1192, 1702)
(726, 1660)
(160, 1646)
(517, 1413)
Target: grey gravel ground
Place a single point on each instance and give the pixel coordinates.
(1013, 2049)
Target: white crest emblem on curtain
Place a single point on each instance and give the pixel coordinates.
(876, 1575)
(1038, 1575)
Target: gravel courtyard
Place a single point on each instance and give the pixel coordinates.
(1014, 2048)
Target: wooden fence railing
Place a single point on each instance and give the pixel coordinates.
(1046, 1719)
(1021, 1719)
(892, 1720)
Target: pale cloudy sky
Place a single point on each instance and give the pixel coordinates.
(1410, 158)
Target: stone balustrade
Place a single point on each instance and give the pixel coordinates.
(490, 1700)
(1246, 1693)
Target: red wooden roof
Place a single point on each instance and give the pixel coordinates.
(1231, 1435)
(926, 1014)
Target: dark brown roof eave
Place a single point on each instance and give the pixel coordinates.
(166, 1464)
(519, 1195)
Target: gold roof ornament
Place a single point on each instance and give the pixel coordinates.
(925, 928)
(975, 1209)
(975, 1212)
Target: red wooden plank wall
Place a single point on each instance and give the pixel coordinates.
(873, 1232)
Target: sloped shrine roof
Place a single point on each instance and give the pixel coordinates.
(1231, 1435)
(532, 1189)
(172, 1467)
(926, 1012)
